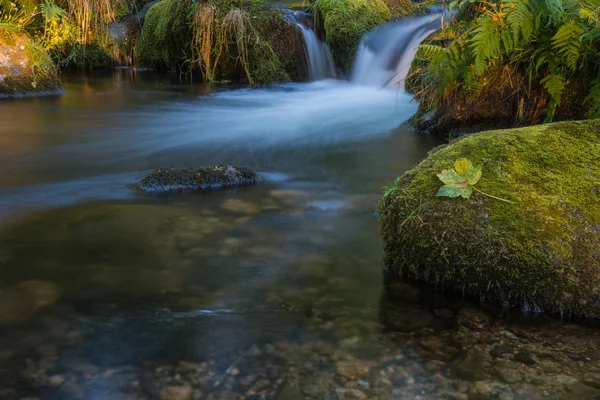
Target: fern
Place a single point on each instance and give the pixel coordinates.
(521, 22)
(566, 42)
(544, 44)
(485, 45)
(429, 51)
(592, 100)
(555, 85)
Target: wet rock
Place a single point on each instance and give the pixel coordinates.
(472, 365)
(354, 369)
(56, 380)
(19, 303)
(499, 351)
(241, 207)
(473, 318)
(490, 390)
(406, 319)
(592, 380)
(509, 334)
(508, 371)
(292, 198)
(181, 179)
(404, 292)
(176, 393)
(350, 394)
(524, 358)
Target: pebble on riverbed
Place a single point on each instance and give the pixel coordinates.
(182, 179)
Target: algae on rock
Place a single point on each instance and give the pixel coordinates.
(542, 252)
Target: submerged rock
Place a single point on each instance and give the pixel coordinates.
(19, 303)
(180, 179)
(541, 251)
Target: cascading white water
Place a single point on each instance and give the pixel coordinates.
(320, 61)
(385, 54)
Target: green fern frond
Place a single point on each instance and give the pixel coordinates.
(555, 85)
(567, 43)
(520, 21)
(429, 51)
(555, 9)
(592, 100)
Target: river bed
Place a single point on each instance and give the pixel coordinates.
(269, 291)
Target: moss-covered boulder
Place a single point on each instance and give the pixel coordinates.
(346, 21)
(182, 179)
(25, 68)
(541, 251)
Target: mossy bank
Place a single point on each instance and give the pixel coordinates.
(233, 40)
(25, 68)
(542, 251)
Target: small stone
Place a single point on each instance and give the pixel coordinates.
(524, 358)
(499, 351)
(176, 393)
(234, 372)
(350, 394)
(435, 365)
(473, 318)
(509, 334)
(471, 366)
(56, 380)
(508, 372)
(241, 207)
(354, 369)
(490, 390)
(312, 390)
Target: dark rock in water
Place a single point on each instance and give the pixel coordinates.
(525, 358)
(499, 351)
(180, 179)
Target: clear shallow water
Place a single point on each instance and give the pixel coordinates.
(271, 291)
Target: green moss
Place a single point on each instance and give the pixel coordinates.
(543, 251)
(346, 21)
(30, 71)
(166, 35)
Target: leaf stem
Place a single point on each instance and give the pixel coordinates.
(493, 197)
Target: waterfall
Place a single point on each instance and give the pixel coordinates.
(318, 55)
(385, 54)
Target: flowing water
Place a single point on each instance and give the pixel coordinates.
(385, 54)
(318, 55)
(268, 291)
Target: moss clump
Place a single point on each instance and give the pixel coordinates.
(346, 21)
(180, 179)
(165, 39)
(25, 68)
(543, 251)
(221, 39)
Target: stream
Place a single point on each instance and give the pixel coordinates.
(269, 291)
